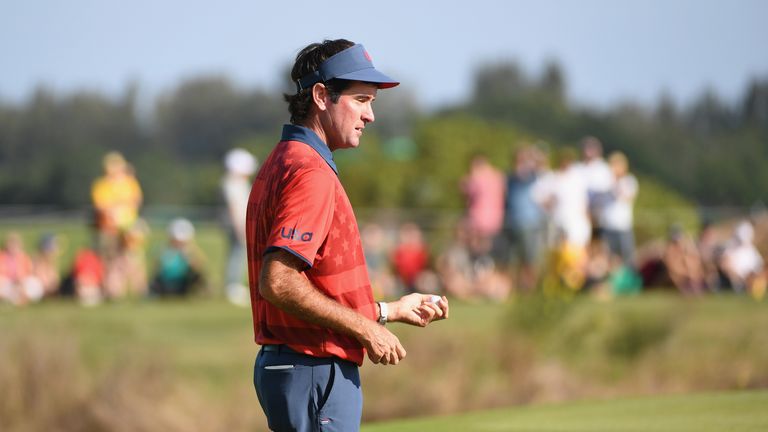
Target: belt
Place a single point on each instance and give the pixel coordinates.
(277, 349)
(285, 349)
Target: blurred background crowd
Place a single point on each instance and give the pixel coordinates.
(557, 222)
(563, 227)
(113, 264)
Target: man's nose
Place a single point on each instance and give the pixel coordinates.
(368, 114)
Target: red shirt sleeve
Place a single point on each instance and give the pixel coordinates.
(304, 213)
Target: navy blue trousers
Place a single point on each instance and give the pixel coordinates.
(303, 393)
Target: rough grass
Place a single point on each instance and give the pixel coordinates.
(168, 366)
(536, 350)
(187, 365)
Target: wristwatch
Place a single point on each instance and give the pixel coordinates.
(383, 312)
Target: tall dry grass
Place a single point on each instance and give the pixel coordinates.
(46, 386)
(544, 350)
(53, 379)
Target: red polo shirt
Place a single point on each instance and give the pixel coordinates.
(298, 204)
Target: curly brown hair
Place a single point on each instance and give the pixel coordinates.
(307, 61)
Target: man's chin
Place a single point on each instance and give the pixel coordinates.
(351, 144)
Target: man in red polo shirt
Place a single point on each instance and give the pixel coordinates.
(313, 308)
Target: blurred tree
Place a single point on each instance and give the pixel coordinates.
(712, 152)
(553, 82)
(755, 105)
(666, 114)
(710, 115)
(204, 116)
(499, 82)
(52, 148)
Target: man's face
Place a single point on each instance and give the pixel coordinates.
(345, 120)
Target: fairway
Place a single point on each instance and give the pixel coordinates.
(733, 411)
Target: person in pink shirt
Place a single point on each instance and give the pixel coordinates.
(483, 188)
(18, 284)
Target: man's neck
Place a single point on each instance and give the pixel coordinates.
(314, 125)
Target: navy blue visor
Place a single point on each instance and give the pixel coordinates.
(352, 64)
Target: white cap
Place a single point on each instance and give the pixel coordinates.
(181, 229)
(240, 161)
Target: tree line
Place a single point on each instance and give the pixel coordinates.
(712, 152)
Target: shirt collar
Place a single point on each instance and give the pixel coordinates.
(293, 132)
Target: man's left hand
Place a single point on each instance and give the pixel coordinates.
(418, 309)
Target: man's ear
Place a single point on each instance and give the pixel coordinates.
(319, 94)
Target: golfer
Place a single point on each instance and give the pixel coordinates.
(313, 309)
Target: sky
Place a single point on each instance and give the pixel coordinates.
(611, 51)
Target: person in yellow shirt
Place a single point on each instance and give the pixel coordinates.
(116, 198)
(116, 195)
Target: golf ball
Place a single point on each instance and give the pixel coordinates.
(434, 299)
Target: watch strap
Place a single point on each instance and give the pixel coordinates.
(383, 313)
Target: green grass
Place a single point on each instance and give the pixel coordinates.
(716, 412)
(200, 353)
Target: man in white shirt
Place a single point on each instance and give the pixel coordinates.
(599, 179)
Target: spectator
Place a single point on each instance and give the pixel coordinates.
(468, 278)
(742, 263)
(598, 267)
(566, 270)
(599, 180)
(116, 200)
(484, 190)
(87, 278)
(18, 284)
(454, 267)
(45, 264)
(376, 248)
(523, 230)
(616, 214)
(624, 279)
(563, 194)
(683, 264)
(126, 273)
(236, 186)
(410, 256)
(710, 250)
(180, 266)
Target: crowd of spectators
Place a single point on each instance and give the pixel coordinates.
(563, 228)
(561, 224)
(112, 264)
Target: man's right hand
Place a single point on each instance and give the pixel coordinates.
(381, 344)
